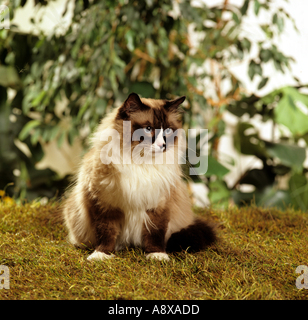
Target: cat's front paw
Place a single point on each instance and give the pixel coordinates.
(99, 256)
(161, 256)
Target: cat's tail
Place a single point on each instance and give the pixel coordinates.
(196, 237)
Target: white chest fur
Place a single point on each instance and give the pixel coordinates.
(143, 187)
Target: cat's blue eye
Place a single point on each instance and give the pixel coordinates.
(168, 131)
(147, 129)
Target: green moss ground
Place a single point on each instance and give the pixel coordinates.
(255, 258)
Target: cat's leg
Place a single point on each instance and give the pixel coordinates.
(107, 228)
(154, 234)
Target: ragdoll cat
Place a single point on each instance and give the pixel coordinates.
(129, 189)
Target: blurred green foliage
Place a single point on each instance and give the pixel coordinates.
(112, 48)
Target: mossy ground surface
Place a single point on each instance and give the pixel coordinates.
(255, 258)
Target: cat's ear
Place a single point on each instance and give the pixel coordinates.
(173, 105)
(132, 104)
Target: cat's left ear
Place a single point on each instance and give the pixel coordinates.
(173, 105)
(132, 104)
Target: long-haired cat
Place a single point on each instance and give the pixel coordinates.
(129, 190)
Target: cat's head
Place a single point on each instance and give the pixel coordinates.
(151, 126)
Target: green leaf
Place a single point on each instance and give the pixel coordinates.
(35, 136)
(253, 69)
(151, 48)
(61, 139)
(145, 89)
(279, 21)
(267, 197)
(246, 44)
(113, 80)
(245, 105)
(257, 7)
(299, 190)
(246, 140)
(236, 18)
(280, 24)
(27, 128)
(129, 37)
(267, 30)
(288, 114)
(100, 106)
(290, 155)
(278, 66)
(244, 8)
(71, 135)
(8, 77)
(82, 110)
(263, 83)
(118, 62)
(219, 193)
(54, 132)
(271, 197)
(38, 99)
(215, 168)
(265, 55)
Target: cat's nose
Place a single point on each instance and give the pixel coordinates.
(163, 145)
